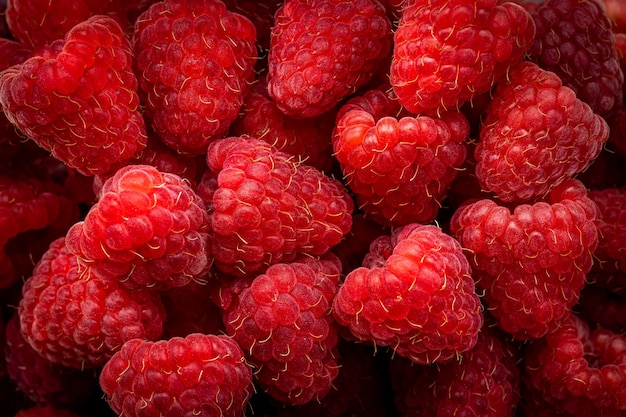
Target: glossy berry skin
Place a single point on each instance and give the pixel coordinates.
(414, 293)
(321, 51)
(446, 52)
(195, 60)
(530, 261)
(561, 136)
(195, 375)
(77, 98)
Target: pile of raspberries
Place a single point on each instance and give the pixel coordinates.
(339, 208)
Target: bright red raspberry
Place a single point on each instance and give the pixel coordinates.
(399, 167)
(536, 135)
(321, 51)
(446, 52)
(194, 60)
(283, 321)
(149, 229)
(266, 208)
(415, 294)
(197, 375)
(530, 261)
(73, 318)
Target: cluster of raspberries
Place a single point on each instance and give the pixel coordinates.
(374, 208)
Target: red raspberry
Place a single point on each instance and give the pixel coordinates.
(561, 136)
(415, 295)
(575, 372)
(283, 320)
(149, 229)
(575, 41)
(446, 52)
(399, 167)
(602, 308)
(73, 318)
(266, 208)
(46, 411)
(321, 51)
(531, 261)
(77, 98)
(197, 375)
(261, 14)
(194, 62)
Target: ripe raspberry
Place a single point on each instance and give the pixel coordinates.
(446, 52)
(602, 308)
(46, 411)
(561, 136)
(575, 41)
(261, 14)
(283, 321)
(414, 294)
(399, 167)
(265, 208)
(197, 375)
(321, 51)
(73, 318)
(77, 98)
(530, 262)
(575, 372)
(194, 62)
(149, 229)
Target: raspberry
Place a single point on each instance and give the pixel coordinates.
(446, 52)
(415, 295)
(283, 320)
(194, 62)
(561, 136)
(398, 167)
(575, 41)
(531, 261)
(196, 375)
(575, 372)
(265, 208)
(601, 308)
(149, 229)
(73, 318)
(46, 411)
(322, 51)
(261, 14)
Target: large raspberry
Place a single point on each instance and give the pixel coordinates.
(321, 51)
(531, 261)
(197, 375)
(399, 167)
(77, 97)
(414, 294)
(148, 229)
(195, 60)
(536, 135)
(446, 52)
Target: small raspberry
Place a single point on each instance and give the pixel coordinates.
(197, 375)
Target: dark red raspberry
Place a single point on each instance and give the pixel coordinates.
(601, 308)
(261, 14)
(530, 261)
(414, 294)
(197, 375)
(46, 411)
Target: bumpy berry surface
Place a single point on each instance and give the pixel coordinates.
(399, 167)
(322, 51)
(536, 135)
(194, 61)
(261, 14)
(446, 52)
(414, 294)
(75, 319)
(149, 229)
(531, 261)
(196, 375)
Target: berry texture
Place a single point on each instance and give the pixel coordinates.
(196, 375)
(531, 261)
(536, 135)
(321, 51)
(77, 98)
(446, 52)
(399, 167)
(414, 294)
(194, 61)
(149, 229)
